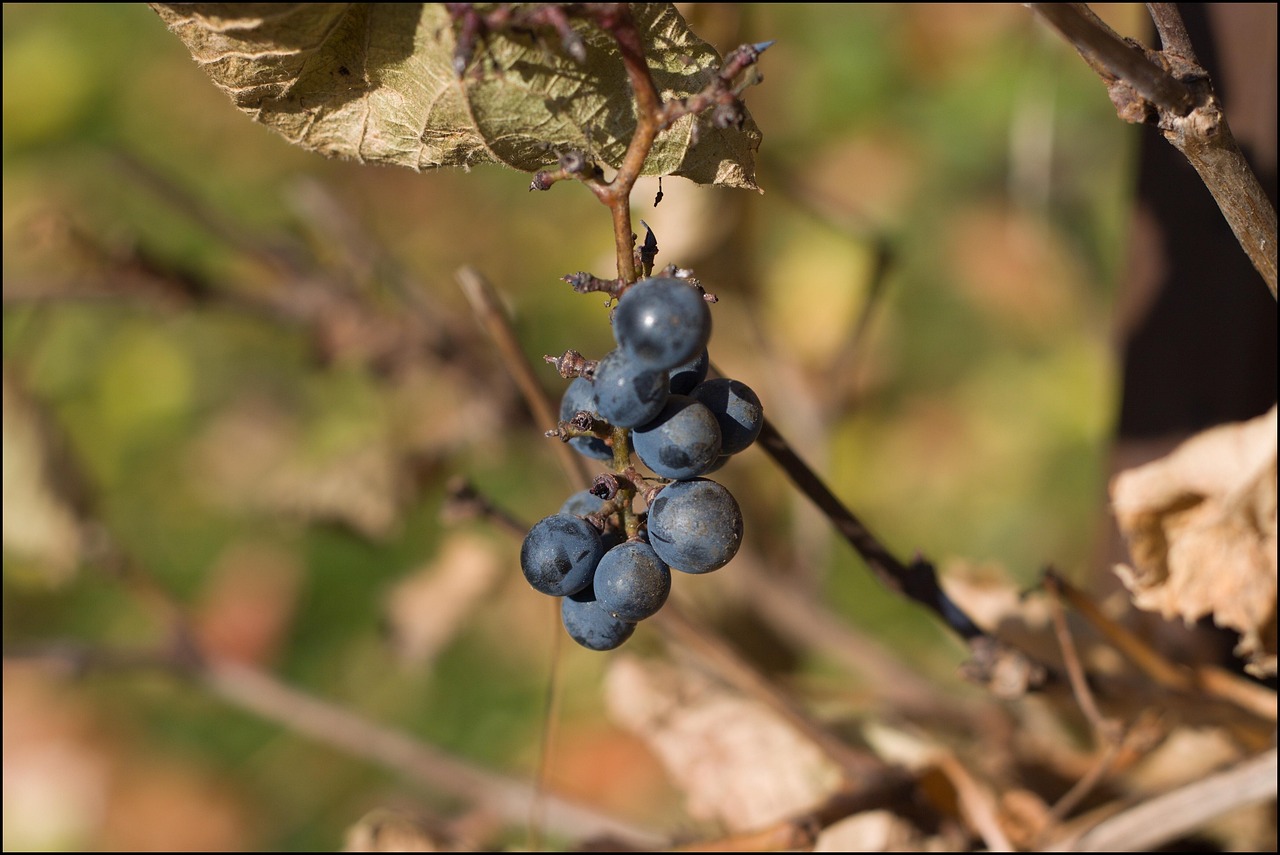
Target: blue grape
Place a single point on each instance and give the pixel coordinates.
(585, 502)
(662, 323)
(737, 410)
(685, 377)
(631, 581)
(582, 503)
(627, 392)
(682, 442)
(718, 465)
(590, 625)
(695, 526)
(579, 397)
(560, 553)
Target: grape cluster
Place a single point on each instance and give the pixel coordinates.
(611, 565)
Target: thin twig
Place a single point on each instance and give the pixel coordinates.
(264, 695)
(1073, 797)
(550, 720)
(489, 310)
(256, 691)
(849, 358)
(1105, 730)
(1007, 671)
(463, 500)
(1174, 37)
(1208, 679)
(270, 698)
(977, 802)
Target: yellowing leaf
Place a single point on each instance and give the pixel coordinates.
(375, 82)
(1201, 526)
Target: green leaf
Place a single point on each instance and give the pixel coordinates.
(375, 83)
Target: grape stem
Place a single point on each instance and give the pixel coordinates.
(720, 95)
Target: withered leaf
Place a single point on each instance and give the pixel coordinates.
(375, 82)
(1201, 527)
(736, 761)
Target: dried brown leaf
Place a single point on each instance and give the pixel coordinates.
(375, 82)
(1201, 528)
(734, 759)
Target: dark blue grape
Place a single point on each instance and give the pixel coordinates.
(631, 581)
(627, 392)
(695, 526)
(582, 503)
(590, 625)
(737, 410)
(585, 502)
(718, 465)
(690, 374)
(682, 442)
(560, 553)
(578, 397)
(662, 323)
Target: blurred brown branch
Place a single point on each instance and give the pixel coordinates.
(254, 690)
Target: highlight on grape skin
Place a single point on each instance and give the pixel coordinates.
(662, 323)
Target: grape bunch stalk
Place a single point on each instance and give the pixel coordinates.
(648, 400)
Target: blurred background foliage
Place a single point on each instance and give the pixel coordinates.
(289, 494)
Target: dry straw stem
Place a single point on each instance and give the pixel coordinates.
(1167, 817)
(1169, 89)
(260, 693)
(255, 691)
(488, 308)
(1105, 731)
